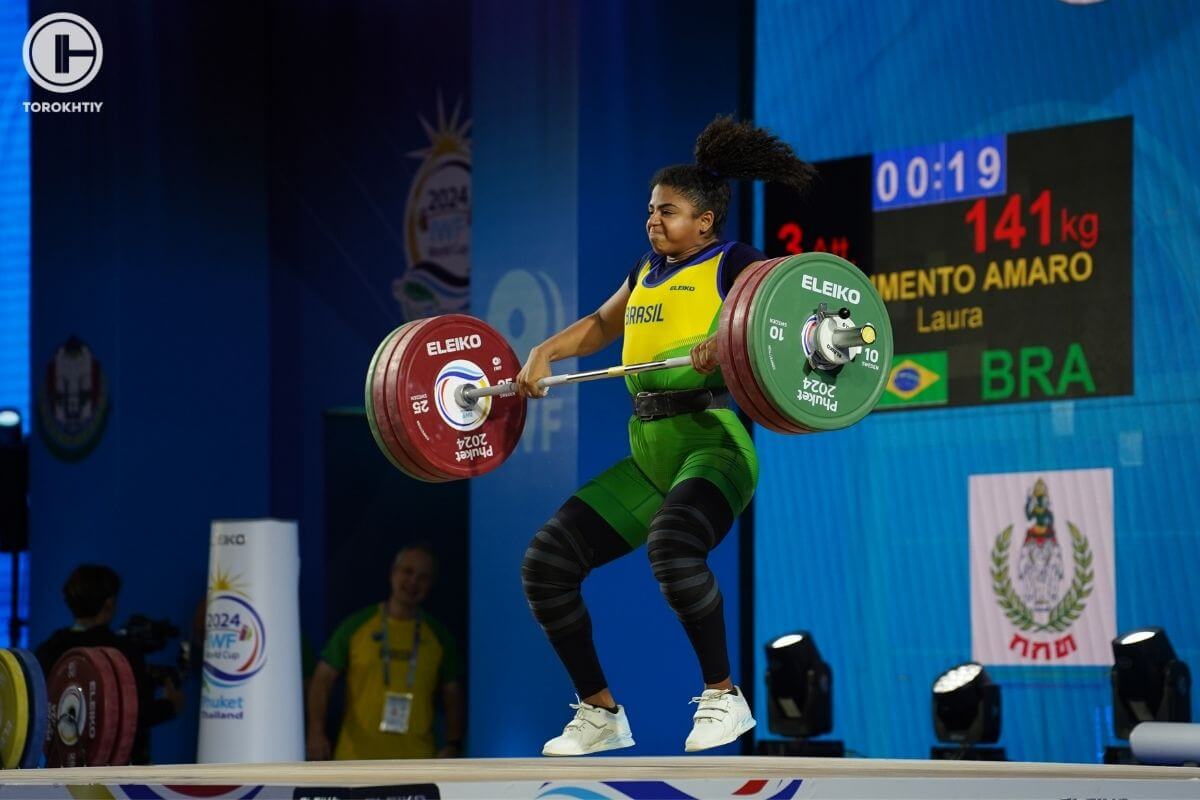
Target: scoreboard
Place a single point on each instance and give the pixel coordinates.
(1004, 260)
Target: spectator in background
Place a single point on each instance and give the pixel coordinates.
(91, 593)
(396, 659)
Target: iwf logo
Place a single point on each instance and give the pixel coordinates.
(437, 221)
(235, 644)
(455, 374)
(62, 52)
(526, 306)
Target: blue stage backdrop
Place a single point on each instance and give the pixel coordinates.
(14, 244)
(14, 215)
(149, 247)
(369, 184)
(902, 576)
(524, 239)
(231, 236)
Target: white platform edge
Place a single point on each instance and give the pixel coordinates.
(376, 773)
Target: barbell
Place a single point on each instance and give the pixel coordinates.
(804, 344)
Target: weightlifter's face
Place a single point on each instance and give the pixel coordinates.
(674, 226)
(412, 577)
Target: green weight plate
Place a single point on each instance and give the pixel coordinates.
(783, 307)
(14, 711)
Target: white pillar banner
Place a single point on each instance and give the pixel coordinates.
(251, 708)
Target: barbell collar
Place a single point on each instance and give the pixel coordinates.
(845, 338)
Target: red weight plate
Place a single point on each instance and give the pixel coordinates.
(376, 414)
(735, 381)
(448, 352)
(750, 311)
(127, 685)
(84, 710)
(729, 369)
(395, 437)
(728, 343)
(381, 393)
(741, 351)
(412, 449)
(740, 327)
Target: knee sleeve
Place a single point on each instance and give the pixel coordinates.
(678, 546)
(555, 564)
(568, 547)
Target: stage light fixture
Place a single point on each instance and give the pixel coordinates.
(1149, 683)
(966, 705)
(10, 427)
(799, 687)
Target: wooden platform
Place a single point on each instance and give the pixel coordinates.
(757, 778)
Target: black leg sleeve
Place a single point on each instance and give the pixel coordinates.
(693, 520)
(573, 543)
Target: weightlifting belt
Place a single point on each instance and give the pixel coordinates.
(648, 406)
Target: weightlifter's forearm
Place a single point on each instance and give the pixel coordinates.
(581, 338)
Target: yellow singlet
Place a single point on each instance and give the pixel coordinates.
(670, 310)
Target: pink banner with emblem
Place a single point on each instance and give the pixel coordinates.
(1042, 570)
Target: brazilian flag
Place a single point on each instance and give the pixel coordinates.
(917, 379)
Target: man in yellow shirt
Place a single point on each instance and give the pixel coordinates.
(396, 658)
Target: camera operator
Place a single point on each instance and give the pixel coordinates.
(91, 594)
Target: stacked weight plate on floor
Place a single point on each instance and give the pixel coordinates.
(93, 709)
(411, 406)
(767, 338)
(128, 706)
(14, 706)
(39, 708)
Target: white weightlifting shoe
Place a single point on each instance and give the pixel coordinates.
(721, 718)
(593, 730)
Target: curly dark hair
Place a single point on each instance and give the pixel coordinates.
(728, 149)
(88, 588)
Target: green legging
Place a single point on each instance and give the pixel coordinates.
(712, 445)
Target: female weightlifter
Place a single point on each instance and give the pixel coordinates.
(692, 467)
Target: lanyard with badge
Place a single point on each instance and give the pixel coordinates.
(397, 706)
